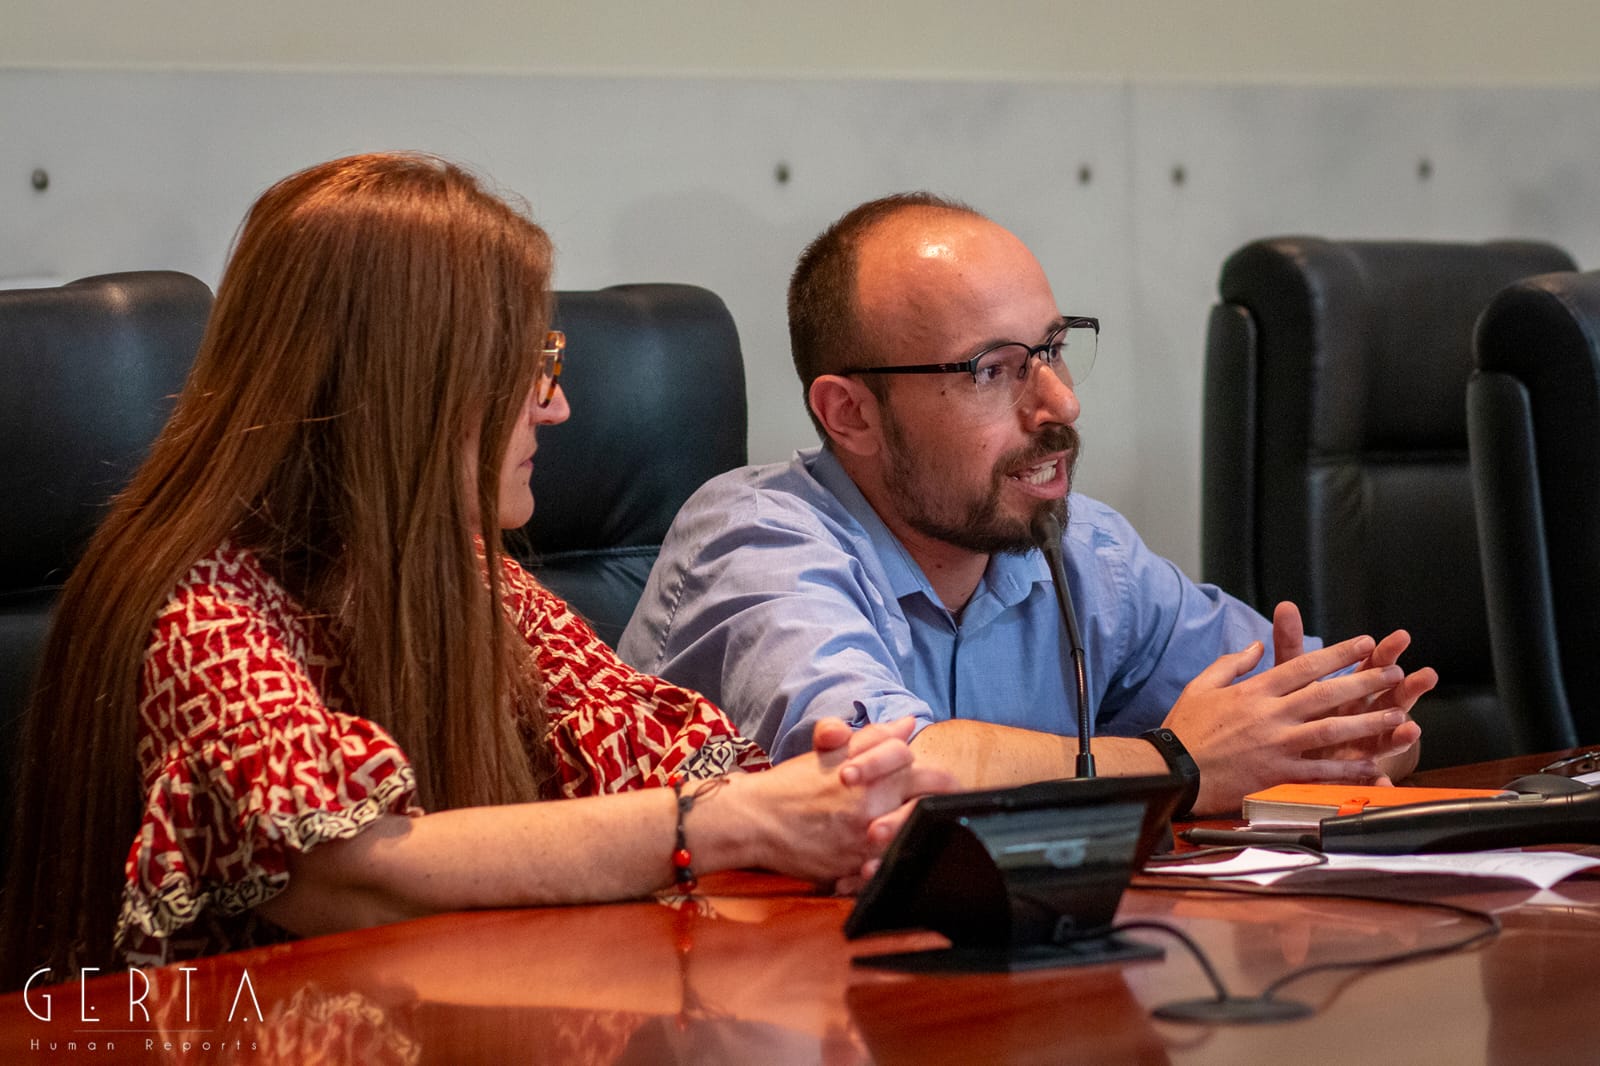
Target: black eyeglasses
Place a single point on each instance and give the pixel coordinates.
(1000, 372)
(551, 357)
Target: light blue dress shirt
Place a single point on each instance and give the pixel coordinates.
(782, 597)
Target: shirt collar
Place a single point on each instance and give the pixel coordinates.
(1012, 577)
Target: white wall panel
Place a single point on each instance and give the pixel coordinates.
(648, 179)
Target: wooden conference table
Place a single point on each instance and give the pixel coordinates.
(760, 973)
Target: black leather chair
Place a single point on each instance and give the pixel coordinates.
(656, 383)
(1335, 470)
(1533, 414)
(89, 372)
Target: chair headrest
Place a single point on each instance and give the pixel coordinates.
(655, 380)
(91, 369)
(1543, 323)
(1398, 315)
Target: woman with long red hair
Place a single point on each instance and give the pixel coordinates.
(296, 686)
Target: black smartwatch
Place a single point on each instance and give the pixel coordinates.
(1180, 763)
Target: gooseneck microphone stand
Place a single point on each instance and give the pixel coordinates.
(1047, 534)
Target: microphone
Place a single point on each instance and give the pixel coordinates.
(1046, 532)
(1445, 825)
(1467, 825)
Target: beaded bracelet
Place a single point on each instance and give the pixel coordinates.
(682, 860)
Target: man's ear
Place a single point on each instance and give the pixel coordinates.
(848, 411)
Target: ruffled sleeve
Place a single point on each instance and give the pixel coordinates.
(243, 759)
(613, 728)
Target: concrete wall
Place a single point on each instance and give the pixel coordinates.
(1132, 145)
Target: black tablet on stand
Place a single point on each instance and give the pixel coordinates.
(1017, 878)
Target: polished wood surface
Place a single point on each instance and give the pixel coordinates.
(758, 971)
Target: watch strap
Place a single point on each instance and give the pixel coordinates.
(1180, 763)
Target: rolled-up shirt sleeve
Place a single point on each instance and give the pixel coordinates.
(766, 609)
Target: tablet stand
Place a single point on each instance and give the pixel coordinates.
(1013, 889)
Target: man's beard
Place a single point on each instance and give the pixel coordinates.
(936, 509)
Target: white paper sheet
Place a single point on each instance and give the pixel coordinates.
(1538, 868)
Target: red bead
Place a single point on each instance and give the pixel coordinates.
(681, 859)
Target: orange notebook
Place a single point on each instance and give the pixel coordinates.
(1301, 805)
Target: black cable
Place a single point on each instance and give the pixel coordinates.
(1226, 1008)
(1230, 849)
(1194, 949)
(1491, 929)
(1491, 923)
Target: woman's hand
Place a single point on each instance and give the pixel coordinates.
(822, 815)
(880, 833)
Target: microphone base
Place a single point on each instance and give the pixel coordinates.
(1234, 1010)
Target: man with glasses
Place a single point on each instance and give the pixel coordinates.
(894, 571)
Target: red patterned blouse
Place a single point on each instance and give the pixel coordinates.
(250, 748)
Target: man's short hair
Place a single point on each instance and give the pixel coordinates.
(825, 332)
